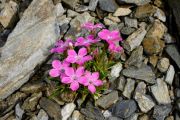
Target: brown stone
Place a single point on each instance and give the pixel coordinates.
(145, 11)
(153, 60)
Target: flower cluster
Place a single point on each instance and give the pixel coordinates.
(73, 70)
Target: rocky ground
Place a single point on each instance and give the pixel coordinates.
(145, 83)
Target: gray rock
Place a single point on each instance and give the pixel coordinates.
(59, 10)
(116, 27)
(137, 2)
(135, 58)
(71, 3)
(92, 112)
(52, 108)
(122, 11)
(8, 13)
(129, 88)
(107, 100)
(121, 83)
(114, 118)
(160, 15)
(115, 71)
(77, 115)
(81, 8)
(27, 46)
(163, 64)
(143, 73)
(67, 110)
(71, 13)
(127, 30)
(108, 5)
(170, 75)
(14, 98)
(19, 112)
(160, 92)
(109, 22)
(31, 102)
(168, 38)
(124, 109)
(107, 114)
(173, 52)
(42, 115)
(161, 111)
(33, 87)
(93, 4)
(133, 117)
(130, 22)
(134, 40)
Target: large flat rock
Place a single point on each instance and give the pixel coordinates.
(27, 46)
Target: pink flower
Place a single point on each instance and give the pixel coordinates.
(61, 46)
(114, 47)
(92, 80)
(81, 41)
(110, 36)
(91, 26)
(58, 68)
(74, 77)
(79, 58)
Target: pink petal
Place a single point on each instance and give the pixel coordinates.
(98, 82)
(103, 34)
(71, 59)
(72, 53)
(83, 81)
(87, 58)
(56, 64)
(79, 71)
(82, 52)
(69, 71)
(54, 73)
(66, 80)
(91, 88)
(74, 86)
(90, 37)
(95, 75)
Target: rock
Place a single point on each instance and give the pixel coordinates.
(59, 10)
(160, 92)
(3, 106)
(136, 57)
(124, 108)
(8, 14)
(107, 100)
(153, 45)
(71, 3)
(145, 102)
(133, 117)
(17, 65)
(14, 98)
(31, 102)
(134, 40)
(7, 116)
(109, 22)
(144, 117)
(92, 112)
(116, 26)
(114, 118)
(108, 5)
(137, 2)
(160, 15)
(81, 8)
(173, 52)
(19, 112)
(130, 22)
(163, 64)
(122, 11)
(121, 83)
(145, 11)
(68, 96)
(67, 110)
(33, 87)
(129, 88)
(71, 13)
(93, 5)
(157, 30)
(161, 111)
(170, 75)
(42, 115)
(107, 114)
(127, 30)
(168, 38)
(159, 3)
(153, 60)
(113, 18)
(170, 118)
(115, 71)
(143, 73)
(52, 108)
(77, 115)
